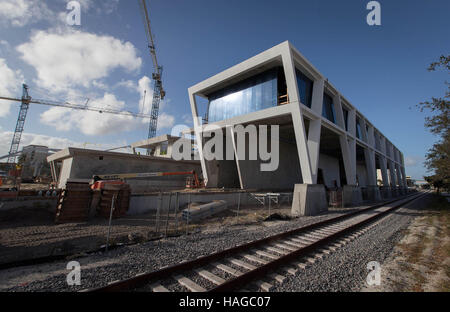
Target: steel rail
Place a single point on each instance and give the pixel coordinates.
(143, 279)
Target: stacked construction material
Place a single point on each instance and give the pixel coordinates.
(198, 212)
(73, 203)
(121, 192)
(335, 198)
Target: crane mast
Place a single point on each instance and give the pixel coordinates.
(158, 90)
(19, 125)
(26, 100)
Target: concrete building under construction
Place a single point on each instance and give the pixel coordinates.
(324, 141)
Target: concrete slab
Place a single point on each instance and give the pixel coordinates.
(352, 195)
(309, 200)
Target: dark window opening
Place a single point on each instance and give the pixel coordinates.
(328, 108)
(345, 119)
(358, 129)
(305, 87)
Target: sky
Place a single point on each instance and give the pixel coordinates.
(382, 70)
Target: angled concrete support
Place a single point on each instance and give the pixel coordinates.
(309, 200)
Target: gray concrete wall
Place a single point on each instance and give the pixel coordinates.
(142, 204)
(85, 166)
(284, 178)
(330, 169)
(362, 175)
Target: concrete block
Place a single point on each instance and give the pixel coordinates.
(352, 195)
(309, 200)
(385, 192)
(394, 191)
(373, 193)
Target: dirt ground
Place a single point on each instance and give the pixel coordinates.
(30, 233)
(421, 260)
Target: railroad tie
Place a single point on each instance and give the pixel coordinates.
(157, 287)
(255, 259)
(277, 250)
(210, 276)
(264, 286)
(189, 284)
(242, 264)
(279, 278)
(266, 254)
(227, 269)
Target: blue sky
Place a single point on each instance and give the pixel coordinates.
(380, 69)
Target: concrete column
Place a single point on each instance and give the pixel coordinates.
(198, 134)
(370, 166)
(384, 174)
(315, 127)
(297, 116)
(371, 137)
(393, 178)
(399, 177)
(349, 163)
(352, 122)
(372, 187)
(386, 190)
(363, 130)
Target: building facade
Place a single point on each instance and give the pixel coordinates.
(323, 138)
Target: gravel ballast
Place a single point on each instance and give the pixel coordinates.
(343, 270)
(346, 268)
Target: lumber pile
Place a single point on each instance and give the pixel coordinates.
(122, 194)
(73, 203)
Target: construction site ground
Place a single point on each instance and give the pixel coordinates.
(30, 233)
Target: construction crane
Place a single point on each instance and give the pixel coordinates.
(26, 100)
(158, 91)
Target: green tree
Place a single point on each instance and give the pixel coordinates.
(438, 157)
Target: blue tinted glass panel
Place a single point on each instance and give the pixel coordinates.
(253, 94)
(305, 87)
(358, 130)
(328, 108)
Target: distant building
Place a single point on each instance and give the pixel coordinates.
(34, 162)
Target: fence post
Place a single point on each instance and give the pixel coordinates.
(239, 205)
(110, 220)
(177, 206)
(158, 212)
(188, 214)
(168, 214)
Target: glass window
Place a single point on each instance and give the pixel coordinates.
(358, 129)
(328, 108)
(345, 118)
(250, 95)
(305, 87)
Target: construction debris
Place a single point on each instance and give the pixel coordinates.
(73, 203)
(196, 211)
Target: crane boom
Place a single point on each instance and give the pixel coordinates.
(26, 100)
(78, 106)
(158, 90)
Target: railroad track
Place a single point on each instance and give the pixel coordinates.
(264, 262)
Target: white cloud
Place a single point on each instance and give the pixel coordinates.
(146, 92)
(19, 13)
(89, 122)
(10, 83)
(64, 58)
(411, 161)
(165, 121)
(53, 142)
